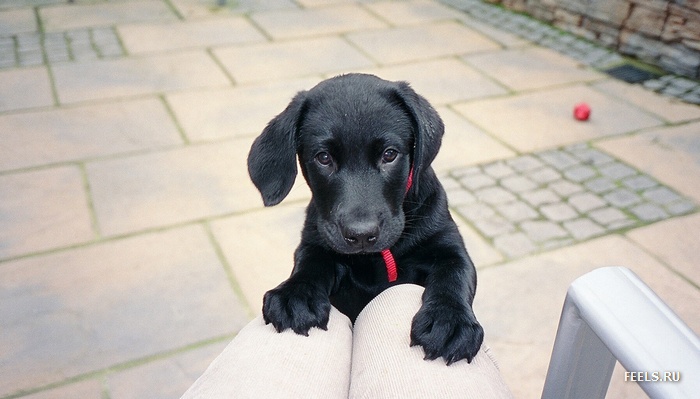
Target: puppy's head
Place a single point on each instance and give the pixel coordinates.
(357, 138)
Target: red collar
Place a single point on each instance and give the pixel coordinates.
(386, 254)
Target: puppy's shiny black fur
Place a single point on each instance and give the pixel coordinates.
(356, 138)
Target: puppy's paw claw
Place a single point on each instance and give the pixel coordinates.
(443, 331)
(298, 306)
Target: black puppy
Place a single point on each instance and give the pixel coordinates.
(362, 142)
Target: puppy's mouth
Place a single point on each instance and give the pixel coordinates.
(361, 238)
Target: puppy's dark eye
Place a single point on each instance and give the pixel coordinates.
(389, 155)
(324, 158)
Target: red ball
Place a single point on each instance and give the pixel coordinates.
(582, 111)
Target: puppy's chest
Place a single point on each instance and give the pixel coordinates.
(365, 270)
(363, 279)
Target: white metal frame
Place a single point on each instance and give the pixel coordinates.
(610, 314)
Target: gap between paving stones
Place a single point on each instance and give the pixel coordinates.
(233, 282)
(548, 199)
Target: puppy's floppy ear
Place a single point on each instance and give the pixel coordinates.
(428, 127)
(272, 159)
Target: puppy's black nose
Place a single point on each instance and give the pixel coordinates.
(361, 235)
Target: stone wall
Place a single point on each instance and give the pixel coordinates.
(661, 32)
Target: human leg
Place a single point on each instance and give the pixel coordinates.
(385, 366)
(261, 363)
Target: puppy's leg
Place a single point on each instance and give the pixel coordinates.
(302, 301)
(445, 326)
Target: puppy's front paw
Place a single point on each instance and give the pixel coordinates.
(296, 305)
(447, 329)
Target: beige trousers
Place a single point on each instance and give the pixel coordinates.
(373, 360)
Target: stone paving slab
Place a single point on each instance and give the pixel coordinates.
(161, 37)
(421, 42)
(671, 154)
(267, 259)
(465, 143)
(126, 77)
(25, 3)
(17, 21)
(675, 242)
(43, 209)
(503, 37)
(544, 118)
(482, 253)
(25, 88)
(165, 188)
(72, 16)
(206, 115)
(449, 81)
(163, 378)
(70, 134)
(519, 304)
(413, 12)
(74, 312)
(291, 59)
(288, 24)
(668, 109)
(531, 68)
(191, 9)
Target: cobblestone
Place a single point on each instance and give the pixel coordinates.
(545, 175)
(517, 211)
(600, 185)
(525, 163)
(582, 229)
(30, 49)
(518, 184)
(608, 216)
(514, 245)
(661, 195)
(475, 182)
(680, 207)
(494, 226)
(540, 197)
(639, 182)
(498, 170)
(565, 188)
(586, 201)
(622, 198)
(543, 230)
(591, 156)
(617, 171)
(495, 195)
(580, 173)
(558, 212)
(552, 198)
(649, 212)
(476, 212)
(558, 159)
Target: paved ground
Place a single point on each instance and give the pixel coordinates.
(133, 246)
